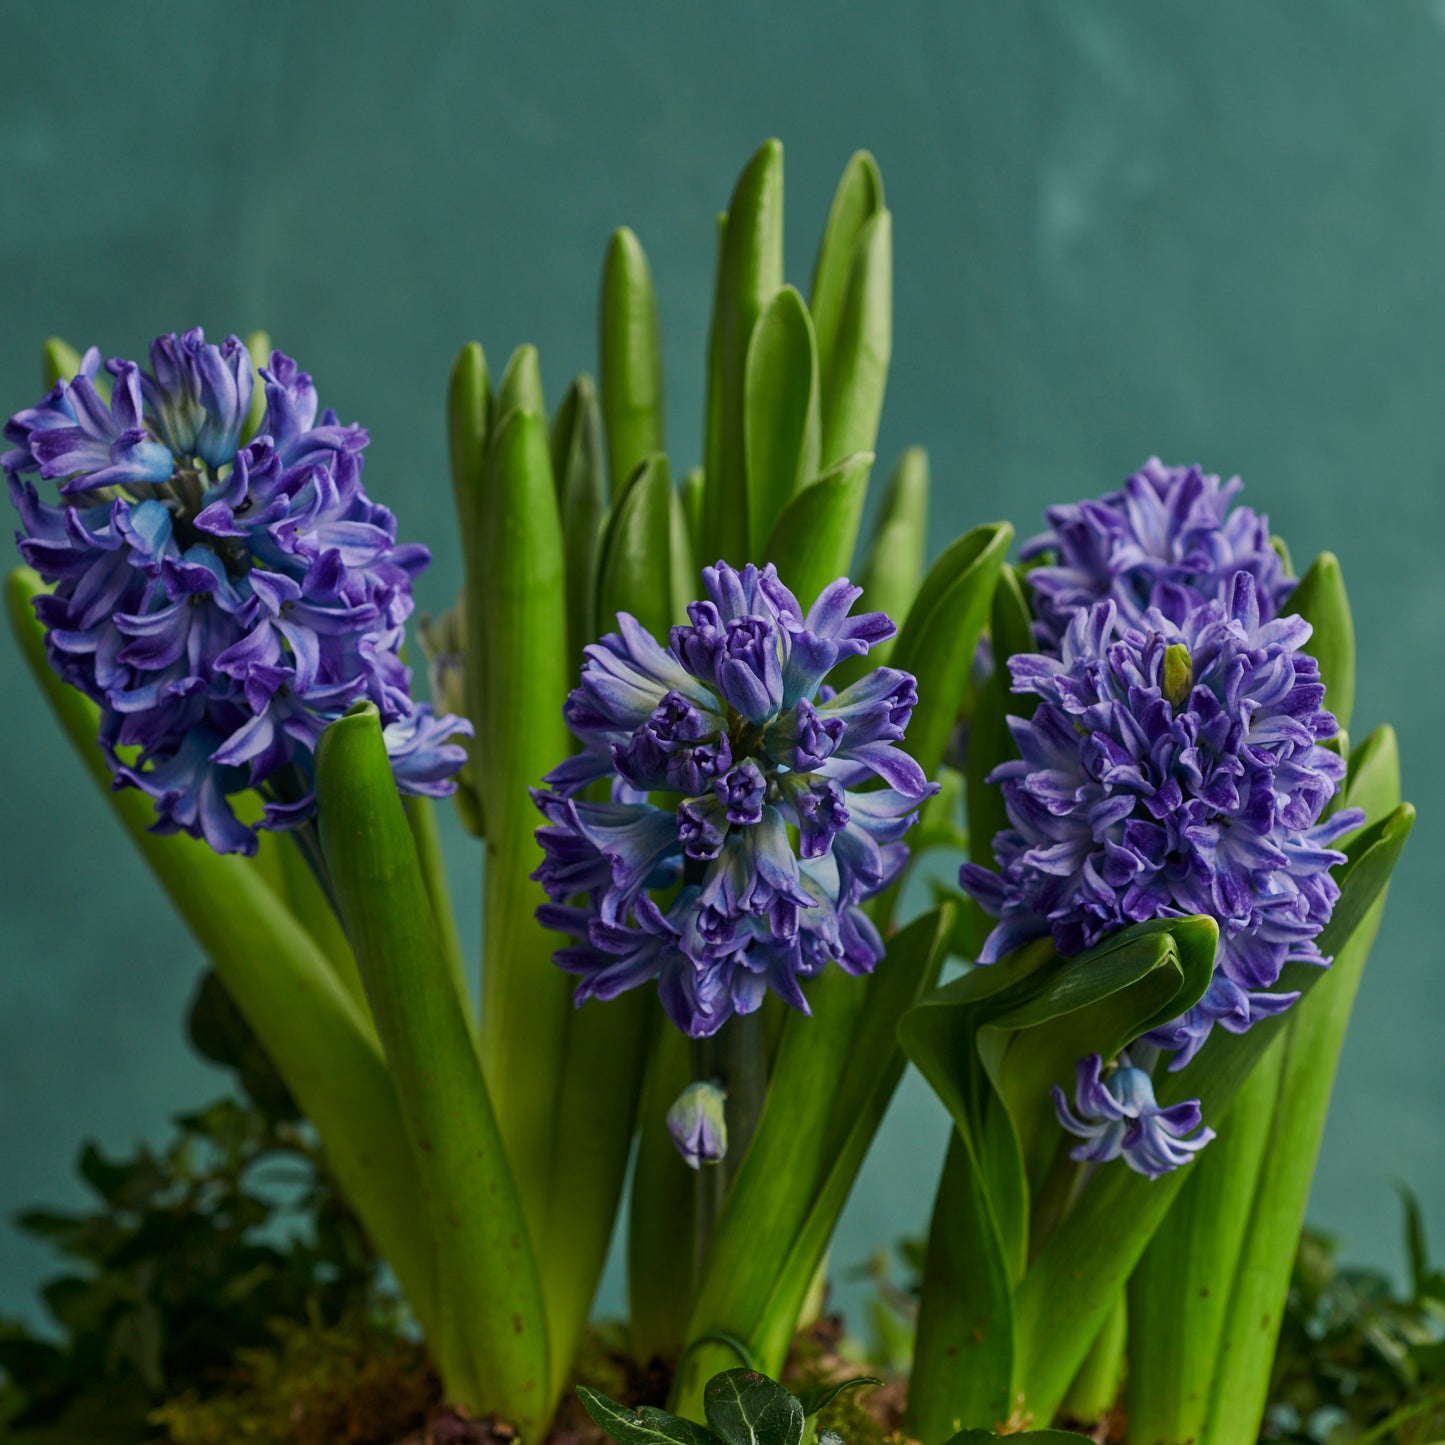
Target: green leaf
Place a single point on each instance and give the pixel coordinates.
(1180, 1293)
(750, 272)
(746, 1408)
(893, 568)
(59, 361)
(990, 1045)
(781, 417)
(520, 388)
(694, 484)
(1061, 1306)
(1320, 599)
(989, 740)
(631, 360)
(635, 572)
(833, 1075)
(938, 640)
(684, 566)
(576, 450)
(322, 1043)
(492, 1359)
(818, 1397)
(649, 1426)
(812, 543)
(853, 396)
(519, 597)
(1415, 1248)
(857, 200)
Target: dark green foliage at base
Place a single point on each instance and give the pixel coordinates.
(1357, 1361)
(186, 1258)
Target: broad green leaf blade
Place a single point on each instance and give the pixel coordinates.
(893, 568)
(59, 361)
(853, 398)
(820, 1396)
(1309, 1049)
(694, 484)
(635, 572)
(631, 360)
(812, 543)
(1311, 1046)
(746, 1408)
(661, 1225)
(521, 603)
(421, 819)
(1320, 599)
(937, 642)
(963, 1351)
(685, 569)
(1061, 1305)
(317, 1035)
(1179, 1295)
(492, 1359)
(576, 448)
(857, 200)
(989, 740)
(1095, 1389)
(832, 1077)
(781, 416)
(750, 272)
(469, 404)
(1373, 783)
(520, 387)
(990, 1044)
(646, 1427)
(915, 957)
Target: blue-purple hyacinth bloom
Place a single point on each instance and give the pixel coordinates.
(1172, 769)
(221, 599)
(721, 749)
(1169, 538)
(1118, 1116)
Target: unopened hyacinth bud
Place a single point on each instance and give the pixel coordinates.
(1119, 1117)
(221, 602)
(720, 748)
(698, 1124)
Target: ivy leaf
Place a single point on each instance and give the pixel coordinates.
(818, 1397)
(646, 1427)
(746, 1408)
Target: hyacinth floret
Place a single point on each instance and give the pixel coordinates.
(1119, 1117)
(1171, 769)
(220, 599)
(720, 750)
(1169, 538)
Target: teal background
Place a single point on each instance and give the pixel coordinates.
(1211, 232)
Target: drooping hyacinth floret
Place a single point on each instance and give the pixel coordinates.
(716, 746)
(1172, 769)
(1118, 1116)
(1168, 538)
(220, 599)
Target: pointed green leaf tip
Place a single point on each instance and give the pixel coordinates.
(1320, 599)
(1178, 674)
(58, 362)
(744, 1407)
(631, 358)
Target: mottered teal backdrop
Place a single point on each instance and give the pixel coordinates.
(1215, 233)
